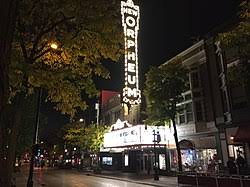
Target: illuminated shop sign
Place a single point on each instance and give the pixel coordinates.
(130, 22)
(135, 135)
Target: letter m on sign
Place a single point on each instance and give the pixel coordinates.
(132, 92)
(131, 95)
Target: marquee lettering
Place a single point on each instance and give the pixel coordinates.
(130, 22)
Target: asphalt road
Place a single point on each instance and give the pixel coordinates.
(68, 178)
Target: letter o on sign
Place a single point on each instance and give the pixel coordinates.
(130, 21)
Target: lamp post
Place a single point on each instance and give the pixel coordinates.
(35, 140)
(156, 140)
(53, 46)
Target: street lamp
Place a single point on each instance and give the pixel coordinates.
(53, 45)
(35, 140)
(157, 139)
(36, 128)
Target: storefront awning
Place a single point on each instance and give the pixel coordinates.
(242, 134)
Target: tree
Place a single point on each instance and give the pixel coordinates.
(238, 38)
(163, 91)
(8, 11)
(83, 33)
(83, 38)
(86, 138)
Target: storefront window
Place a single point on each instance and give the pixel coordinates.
(235, 150)
(107, 161)
(188, 159)
(195, 160)
(162, 161)
(126, 160)
(206, 159)
(173, 159)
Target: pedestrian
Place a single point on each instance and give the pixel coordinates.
(241, 163)
(231, 166)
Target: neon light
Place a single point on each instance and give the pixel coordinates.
(130, 22)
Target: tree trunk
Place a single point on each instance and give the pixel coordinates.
(177, 146)
(8, 149)
(10, 123)
(8, 9)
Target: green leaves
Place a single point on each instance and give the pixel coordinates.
(86, 33)
(87, 138)
(164, 86)
(239, 36)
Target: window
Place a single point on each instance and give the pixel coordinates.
(107, 161)
(185, 114)
(181, 115)
(126, 160)
(198, 111)
(189, 112)
(195, 80)
(188, 97)
(182, 118)
(162, 161)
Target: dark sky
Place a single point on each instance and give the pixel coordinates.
(169, 27)
(166, 28)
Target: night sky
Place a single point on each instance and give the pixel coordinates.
(167, 27)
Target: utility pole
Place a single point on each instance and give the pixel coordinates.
(35, 139)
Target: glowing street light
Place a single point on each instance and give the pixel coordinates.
(53, 45)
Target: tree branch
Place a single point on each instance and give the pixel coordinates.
(22, 43)
(43, 32)
(41, 54)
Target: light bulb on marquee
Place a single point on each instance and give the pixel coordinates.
(130, 22)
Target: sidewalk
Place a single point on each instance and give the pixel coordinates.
(21, 178)
(165, 181)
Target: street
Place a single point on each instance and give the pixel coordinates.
(70, 178)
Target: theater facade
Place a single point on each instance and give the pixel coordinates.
(134, 148)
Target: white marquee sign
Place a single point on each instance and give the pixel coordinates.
(130, 22)
(135, 135)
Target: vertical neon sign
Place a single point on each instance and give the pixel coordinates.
(130, 22)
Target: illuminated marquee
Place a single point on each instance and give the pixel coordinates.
(130, 22)
(135, 135)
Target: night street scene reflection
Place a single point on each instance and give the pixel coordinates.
(124, 93)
